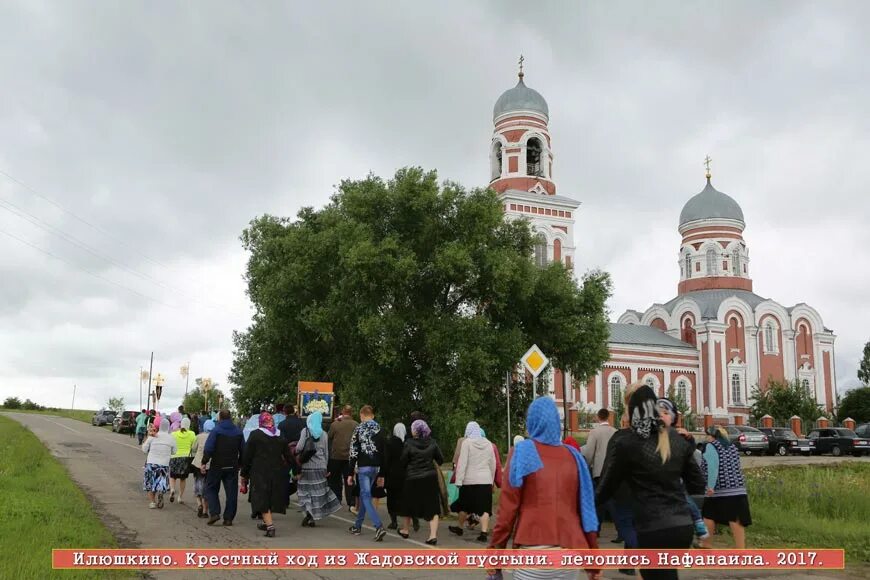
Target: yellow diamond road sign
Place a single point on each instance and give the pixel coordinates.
(535, 361)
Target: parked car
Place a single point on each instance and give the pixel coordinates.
(125, 422)
(863, 431)
(749, 440)
(102, 417)
(838, 440)
(784, 441)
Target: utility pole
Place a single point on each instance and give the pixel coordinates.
(150, 370)
(73, 406)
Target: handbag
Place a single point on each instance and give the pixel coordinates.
(308, 450)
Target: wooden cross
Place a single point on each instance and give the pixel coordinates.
(707, 161)
(522, 58)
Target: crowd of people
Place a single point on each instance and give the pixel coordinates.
(649, 477)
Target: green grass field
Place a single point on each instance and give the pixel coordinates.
(78, 415)
(40, 509)
(819, 506)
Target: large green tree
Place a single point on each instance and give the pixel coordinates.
(784, 400)
(410, 295)
(864, 365)
(855, 404)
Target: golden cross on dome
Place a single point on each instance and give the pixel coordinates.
(707, 161)
(522, 59)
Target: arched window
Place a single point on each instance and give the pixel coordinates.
(495, 162)
(533, 158)
(541, 250)
(651, 382)
(735, 262)
(557, 250)
(615, 389)
(805, 383)
(683, 390)
(711, 261)
(736, 389)
(688, 265)
(771, 344)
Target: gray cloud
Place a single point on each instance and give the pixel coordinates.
(171, 126)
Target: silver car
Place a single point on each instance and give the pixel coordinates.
(747, 439)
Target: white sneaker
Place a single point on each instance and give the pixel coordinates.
(180, 500)
(152, 506)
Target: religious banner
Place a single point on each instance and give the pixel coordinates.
(314, 397)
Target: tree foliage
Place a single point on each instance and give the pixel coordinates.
(784, 400)
(194, 401)
(855, 404)
(864, 366)
(12, 403)
(115, 404)
(690, 419)
(410, 295)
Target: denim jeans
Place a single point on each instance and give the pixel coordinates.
(230, 479)
(367, 476)
(693, 508)
(623, 518)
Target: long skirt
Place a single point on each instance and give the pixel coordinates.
(268, 492)
(394, 497)
(474, 499)
(315, 495)
(421, 498)
(198, 483)
(156, 478)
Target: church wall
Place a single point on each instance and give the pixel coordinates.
(705, 373)
(772, 368)
(714, 282)
(735, 341)
(804, 343)
(829, 394)
(718, 385)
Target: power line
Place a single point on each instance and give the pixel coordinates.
(27, 216)
(83, 269)
(79, 218)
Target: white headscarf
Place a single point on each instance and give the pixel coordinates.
(517, 439)
(400, 431)
(185, 423)
(472, 430)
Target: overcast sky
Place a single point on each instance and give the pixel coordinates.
(164, 127)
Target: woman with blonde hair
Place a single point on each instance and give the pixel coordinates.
(653, 460)
(726, 501)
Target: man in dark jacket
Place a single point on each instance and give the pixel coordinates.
(291, 427)
(223, 453)
(340, 433)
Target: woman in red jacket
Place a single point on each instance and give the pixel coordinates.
(530, 511)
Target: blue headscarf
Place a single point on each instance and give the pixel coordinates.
(315, 424)
(543, 425)
(208, 426)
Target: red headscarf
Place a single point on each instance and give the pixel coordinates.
(267, 423)
(571, 442)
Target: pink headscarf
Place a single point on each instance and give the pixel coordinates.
(267, 423)
(174, 426)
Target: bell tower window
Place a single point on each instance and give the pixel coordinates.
(496, 163)
(735, 262)
(533, 158)
(711, 262)
(688, 265)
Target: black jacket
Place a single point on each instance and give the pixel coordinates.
(367, 447)
(658, 495)
(224, 446)
(418, 456)
(291, 428)
(393, 470)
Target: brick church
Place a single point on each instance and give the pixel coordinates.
(715, 340)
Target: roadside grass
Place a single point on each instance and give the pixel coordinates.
(42, 509)
(77, 414)
(816, 506)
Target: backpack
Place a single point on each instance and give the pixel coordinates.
(308, 450)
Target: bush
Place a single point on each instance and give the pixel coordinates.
(29, 405)
(856, 404)
(12, 403)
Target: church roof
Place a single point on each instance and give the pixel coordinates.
(711, 204)
(520, 98)
(708, 301)
(642, 335)
(538, 198)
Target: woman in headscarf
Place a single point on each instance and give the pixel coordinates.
(198, 449)
(265, 465)
(528, 510)
(655, 462)
(315, 496)
(475, 475)
(517, 439)
(158, 450)
(421, 495)
(669, 414)
(394, 474)
(179, 463)
(249, 426)
(726, 500)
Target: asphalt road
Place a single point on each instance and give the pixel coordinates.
(108, 467)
